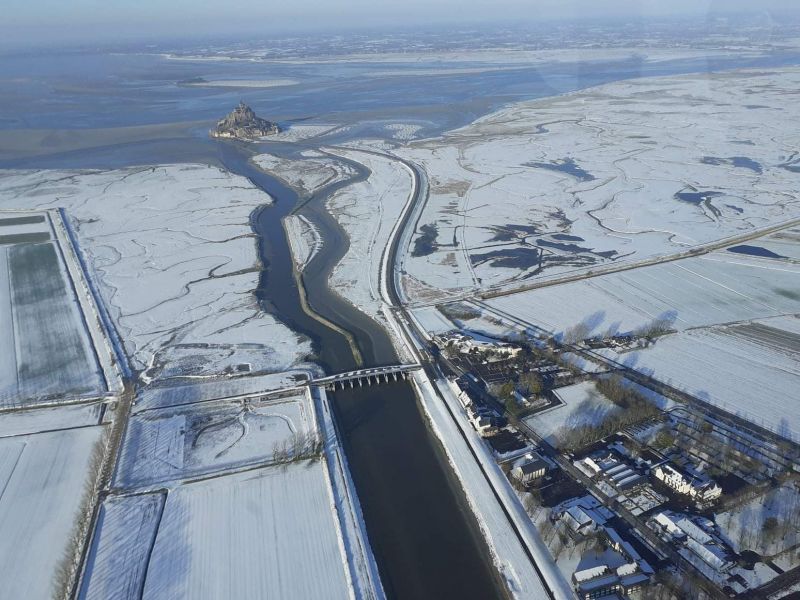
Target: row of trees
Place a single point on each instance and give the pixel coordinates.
(635, 408)
(298, 446)
(660, 325)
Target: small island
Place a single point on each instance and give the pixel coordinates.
(243, 124)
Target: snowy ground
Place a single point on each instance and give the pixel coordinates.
(41, 482)
(117, 562)
(299, 133)
(48, 351)
(582, 405)
(307, 174)
(271, 533)
(173, 444)
(189, 391)
(744, 526)
(175, 262)
(49, 418)
(368, 211)
(620, 172)
(750, 369)
(717, 288)
(216, 520)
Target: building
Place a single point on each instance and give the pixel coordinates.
(602, 581)
(698, 487)
(456, 342)
(533, 467)
(696, 535)
(611, 469)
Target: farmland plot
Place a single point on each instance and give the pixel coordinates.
(272, 533)
(175, 444)
(752, 371)
(125, 533)
(49, 418)
(692, 292)
(49, 350)
(41, 477)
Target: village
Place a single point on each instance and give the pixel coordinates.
(630, 490)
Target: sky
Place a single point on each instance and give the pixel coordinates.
(47, 21)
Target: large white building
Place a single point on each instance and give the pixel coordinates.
(700, 489)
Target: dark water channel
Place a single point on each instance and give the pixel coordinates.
(424, 538)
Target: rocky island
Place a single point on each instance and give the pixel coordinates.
(243, 124)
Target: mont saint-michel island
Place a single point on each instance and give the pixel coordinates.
(243, 123)
(391, 301)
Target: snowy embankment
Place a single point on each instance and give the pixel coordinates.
(304, 239)
(509, 531)
(363, 568)
(617, 173)
(176, 260)
(368, 212)
(42, 478)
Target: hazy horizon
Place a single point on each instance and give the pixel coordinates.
(48, 22)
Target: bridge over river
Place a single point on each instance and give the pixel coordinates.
(362, 377)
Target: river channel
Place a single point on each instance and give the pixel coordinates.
(426, 542)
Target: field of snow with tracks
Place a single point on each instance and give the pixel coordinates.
(620, 172)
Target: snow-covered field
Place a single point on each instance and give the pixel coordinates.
(751, 370)
(620, 172)
(173, 444)
(270, 533)
(176, 260)
(582, 405)
(41, 482)
(202, 390)
(223, 522)
(368, 211)
(307, 174)
(717, 288)
(117, 562)
(47, 350)
(744, 525)
(49, 418)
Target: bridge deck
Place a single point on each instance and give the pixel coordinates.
(364, 374)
